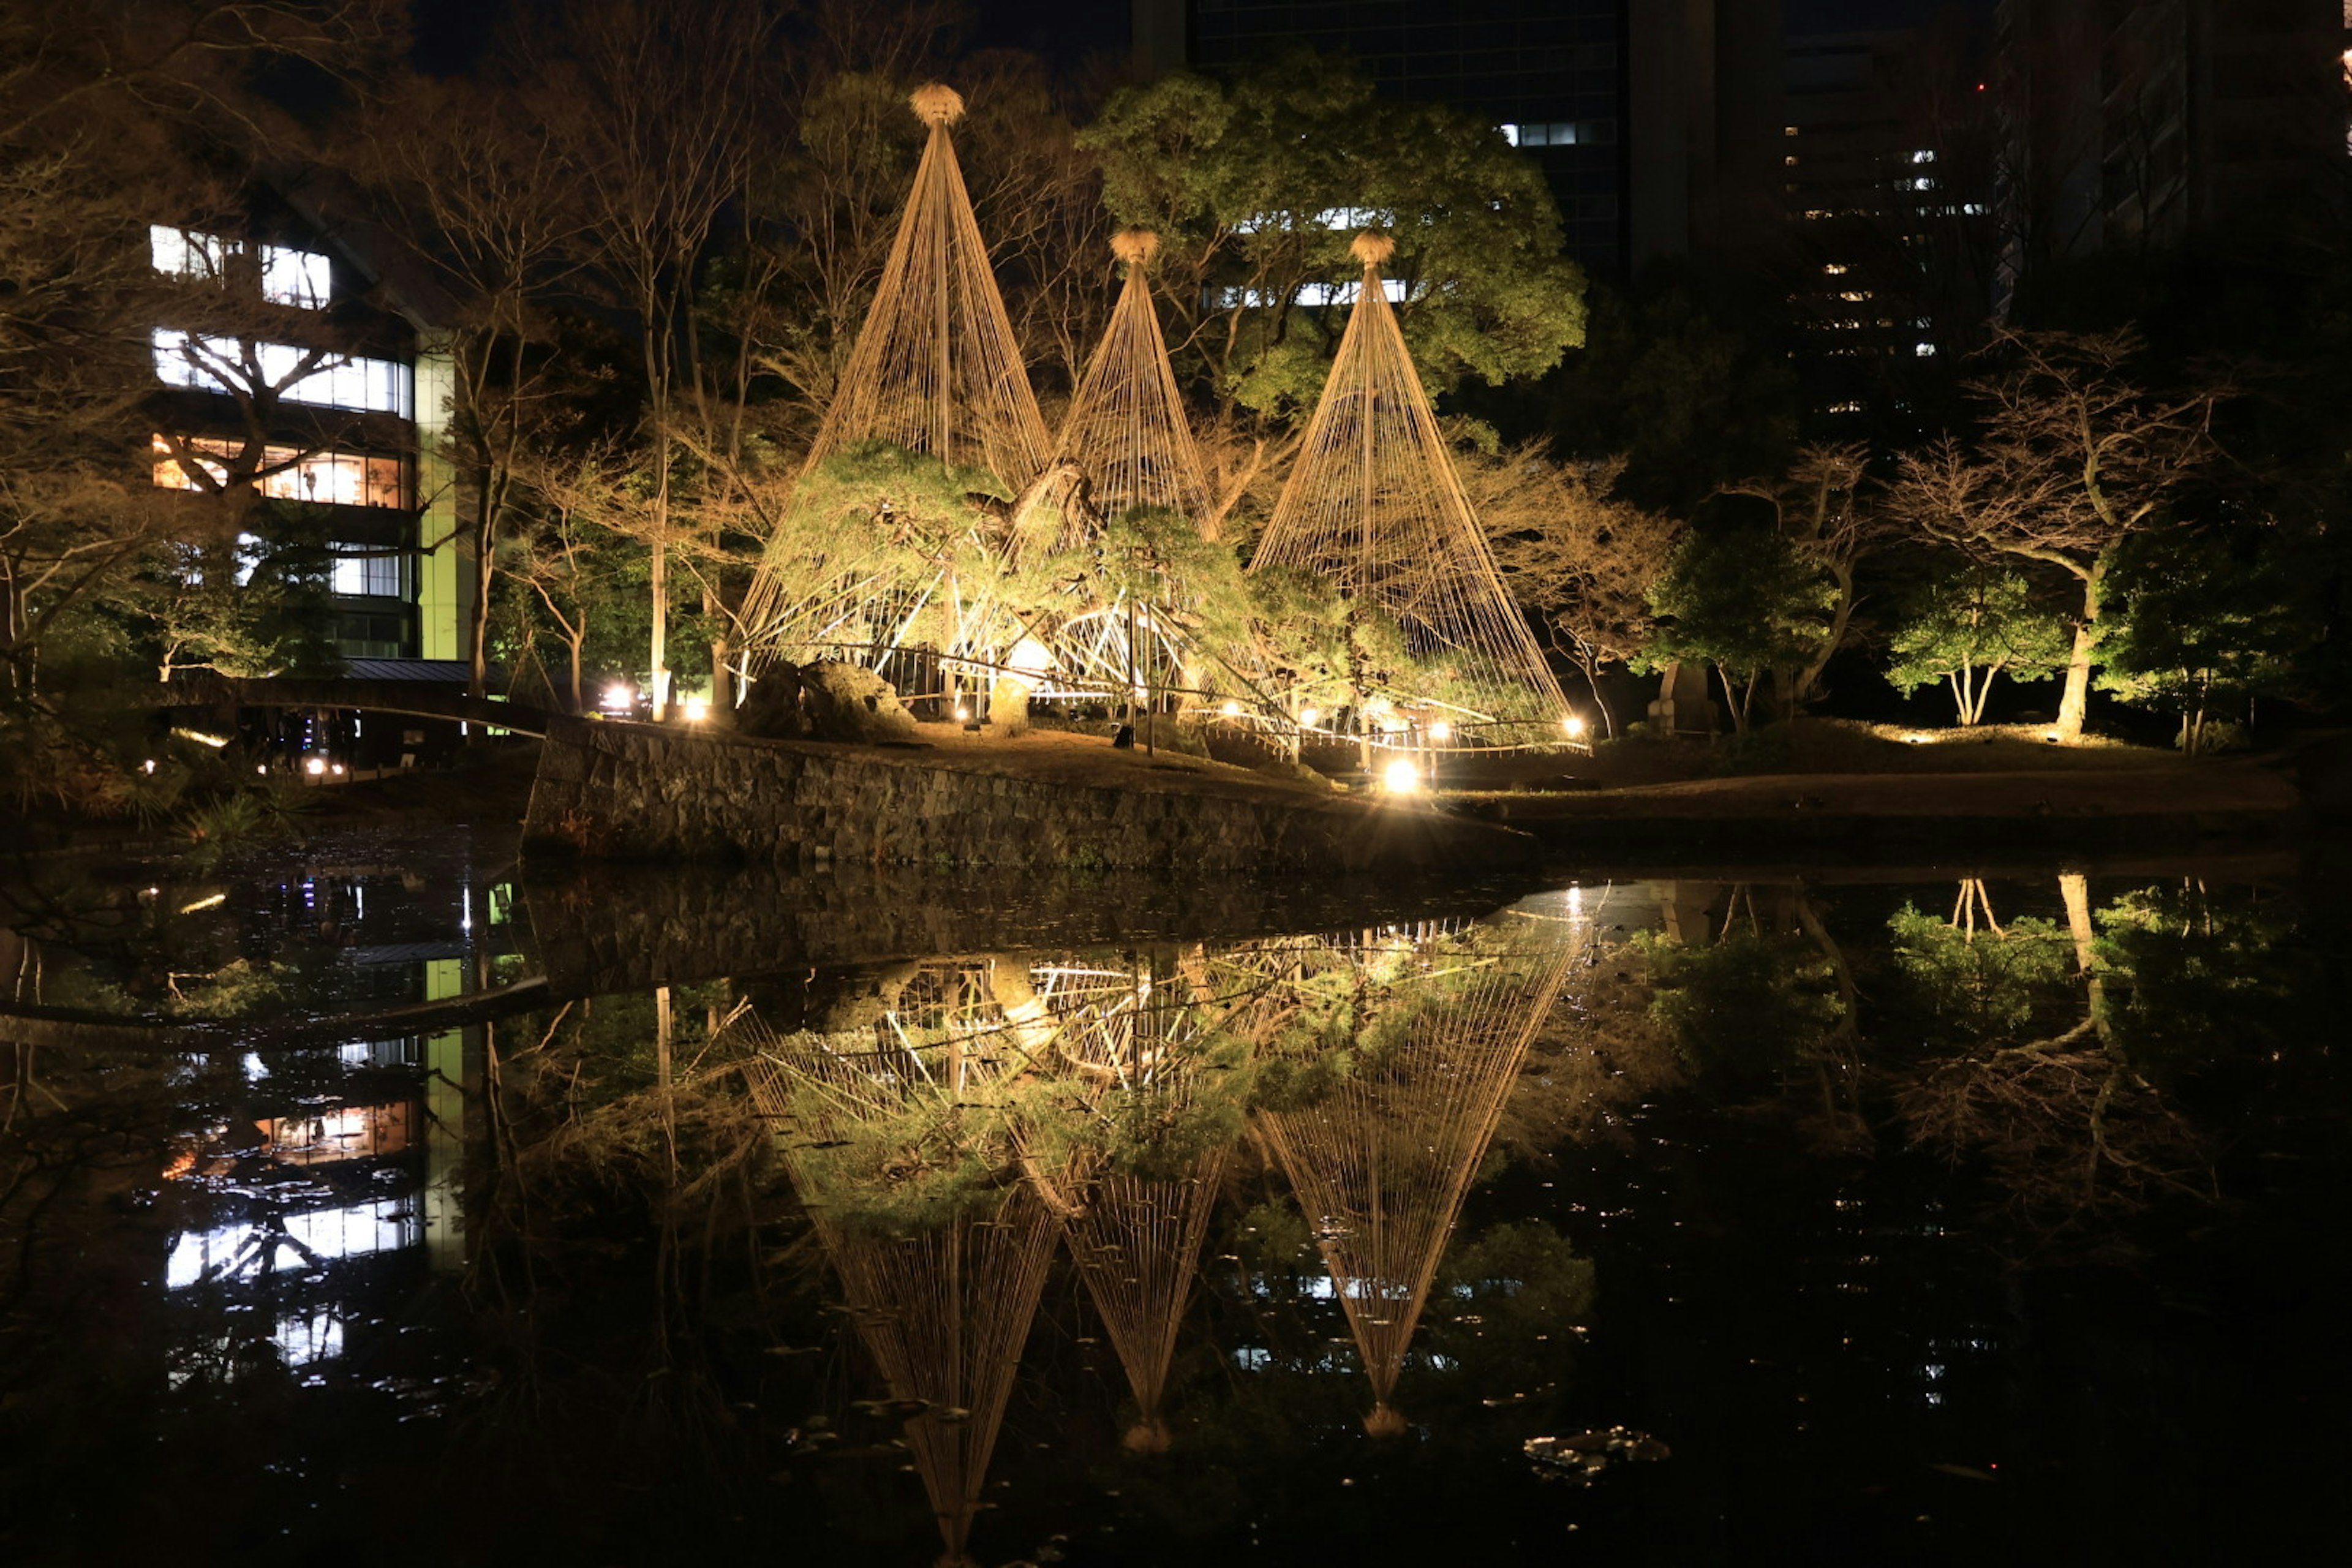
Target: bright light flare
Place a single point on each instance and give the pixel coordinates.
(315, 766)
(1573, 725)
(1231, 710)
(1029, 658)
(1401, 777)
(619, 697)
(1307, 716)
(697, 710)
(963, 712)
(1440, 730)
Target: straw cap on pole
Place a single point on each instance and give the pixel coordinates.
(1372, 248)
(1136, 246)
(936, 103)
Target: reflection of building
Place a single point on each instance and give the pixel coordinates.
(275, 375)
(323, 1179)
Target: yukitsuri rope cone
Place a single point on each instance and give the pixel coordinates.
(1374, 505)
(1125, 423)
(935, 368)
(943, 1305)
(1137, 1238)
(1137, 1246)
(1381, 1164)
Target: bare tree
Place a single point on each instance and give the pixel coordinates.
(653, 110)
(1823, 506)
(1577, 557)
(485, 204)
(2076, 456)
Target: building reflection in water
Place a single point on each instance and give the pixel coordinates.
(325, 1183)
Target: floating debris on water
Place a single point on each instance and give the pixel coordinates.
(1584, 1455)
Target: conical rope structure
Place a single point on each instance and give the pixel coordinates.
(937, 368)
(943, 1301)
(1136, 1227)
(1127, 425)
(1374, 505)
(1382, 1163)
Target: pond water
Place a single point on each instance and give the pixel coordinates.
(382, 1199)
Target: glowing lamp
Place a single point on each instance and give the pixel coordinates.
(150, 764)
(337, 770)
(697, 710)
(1307, 716)
(1231, 710)
(1440, 730)
(1401, 777)
(1573, 725)
(315, 766)
(618, 697)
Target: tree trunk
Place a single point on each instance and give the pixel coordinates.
(2076, 703)
(2074, 889)
(1731, 699)
(477, 634)
(1608, 717)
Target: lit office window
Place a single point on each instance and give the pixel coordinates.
(1559, 132)
(291, 276)
(1310, 294)
(288, 276)
(367, 576)
(341, 380)
(180, 253)
(339, 478)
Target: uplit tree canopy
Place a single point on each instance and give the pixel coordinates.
(1745, 602)
(1256, 187)
(1970, 627)
(2201, 623)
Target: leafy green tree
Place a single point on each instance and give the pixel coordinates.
(1970, 627)
(1752, 1004)
(1675, 377)
(2199, 629)
(1745, 602)
(1960, 986)
(1257, 185)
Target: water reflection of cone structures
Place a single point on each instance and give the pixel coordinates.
(1381, 1163)
(1135, 1044)
(941, 1286)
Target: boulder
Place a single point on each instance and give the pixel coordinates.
(771, 708)
(850, 703)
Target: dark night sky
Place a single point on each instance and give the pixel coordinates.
(451, 33)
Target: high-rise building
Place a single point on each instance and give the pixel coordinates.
(2142, 123)
(1652, 121)
(1886, 178)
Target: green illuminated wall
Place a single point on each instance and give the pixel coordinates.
(445, 578)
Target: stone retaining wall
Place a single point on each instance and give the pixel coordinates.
(617, 790)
